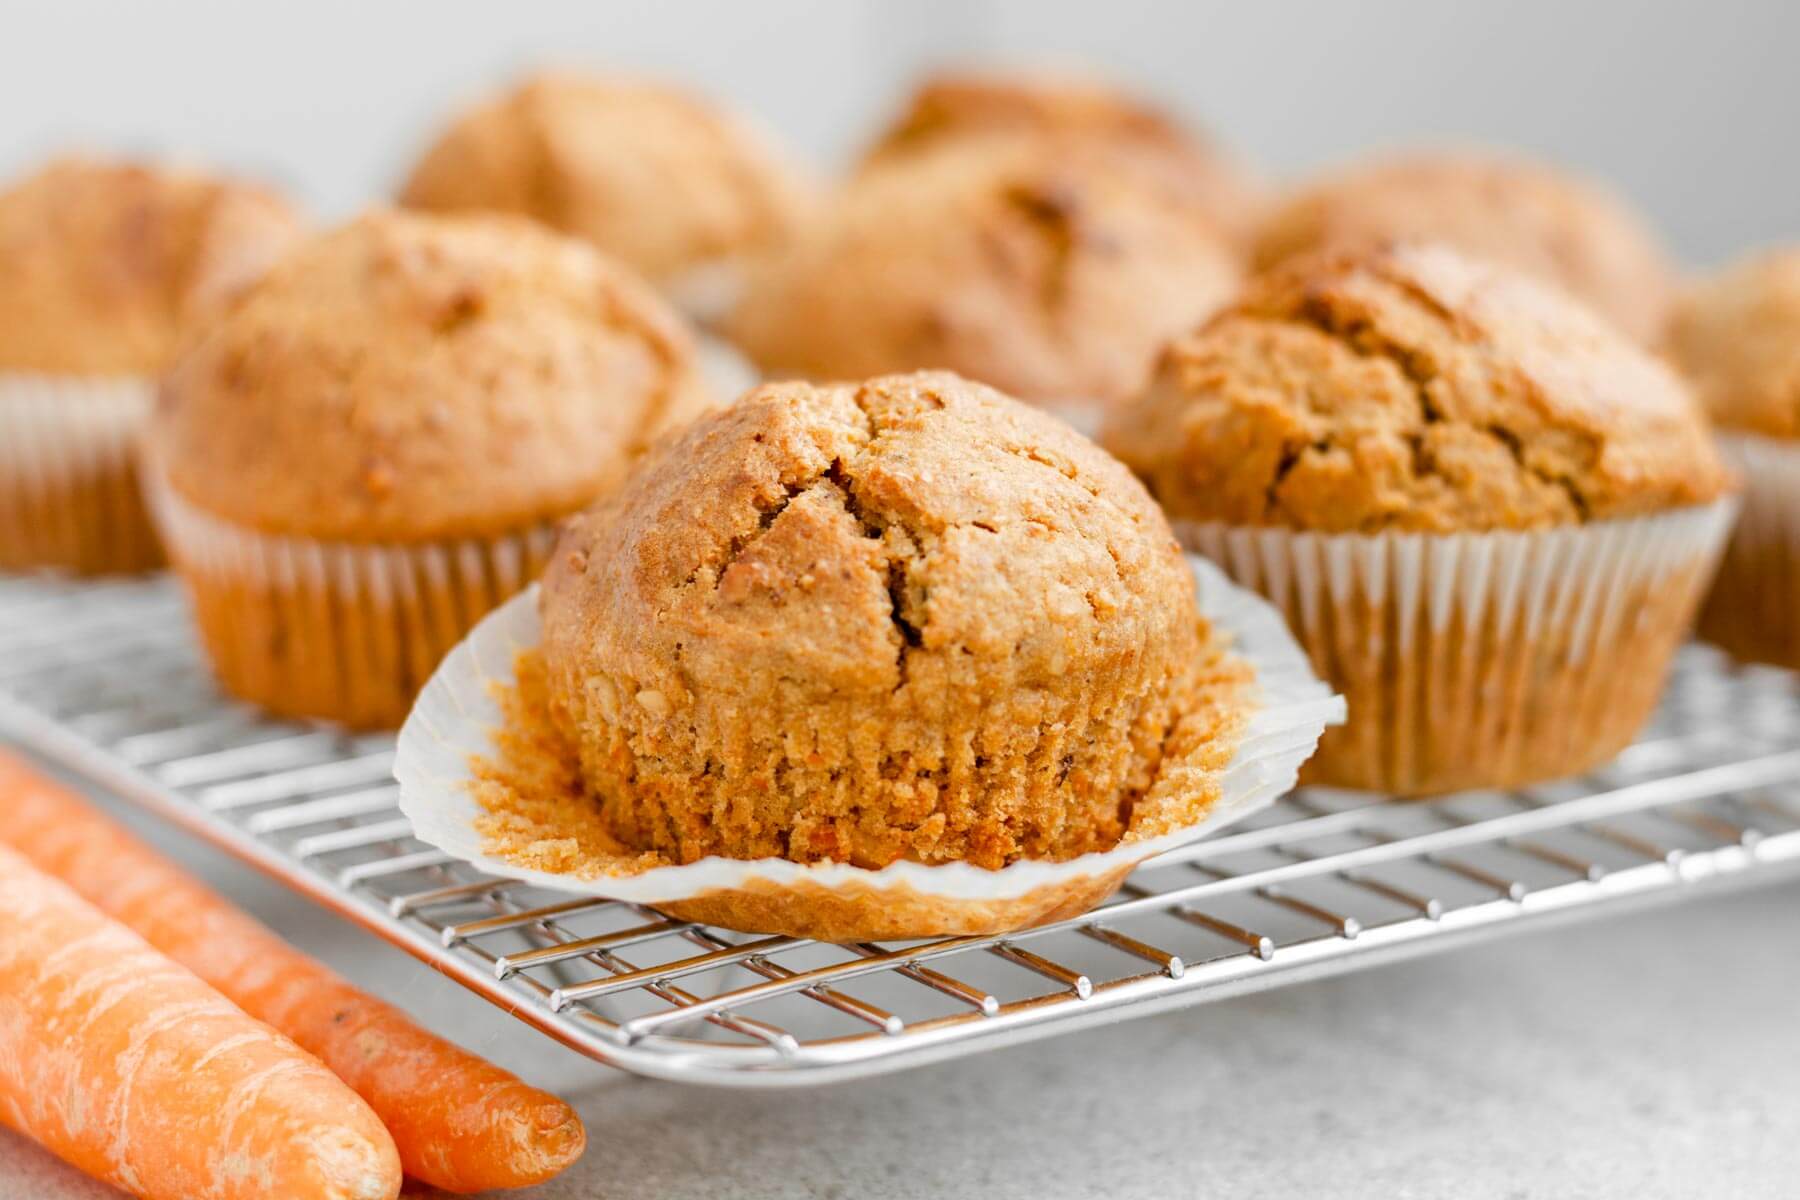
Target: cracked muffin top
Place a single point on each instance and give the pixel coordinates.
(1553, 225)
(105, 264)
(910, 618)
(1737, 336)
(657, 177)
(1046, 274)
(408, 377)
(1412, 388)
(1072, 108)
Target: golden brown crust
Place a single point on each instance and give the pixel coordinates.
(907, 619)
(410, 377)
(1737, 337)
(1558, 227)
(105, 264)
(655, 176)
(1138, 138)
(1411, 388)
(1047, 275)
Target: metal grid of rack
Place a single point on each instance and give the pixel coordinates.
(106, 679)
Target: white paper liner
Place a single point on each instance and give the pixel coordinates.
(1481, 659)
(726, 371)
(1754, 607)
(335, 630)
(455, 717)
(68, 481)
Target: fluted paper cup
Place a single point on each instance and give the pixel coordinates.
(1753, 609)
(69, 494)
(339, 631)
(457, 717)
(1476, 660)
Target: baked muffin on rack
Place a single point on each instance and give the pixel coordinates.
(1079, 110)
(1041, 271)
(683, 192)
(103, 266)
(1488, 515)
(1548, 223)
(856, 661)
(1737, 336)
(371, 449)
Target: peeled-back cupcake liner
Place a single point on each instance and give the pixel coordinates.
(1473, 660)
(69, 494)
(335, 630)
(455, 720)
(1753, 609)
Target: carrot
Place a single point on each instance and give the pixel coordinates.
(461, 1123)
(126, 1065)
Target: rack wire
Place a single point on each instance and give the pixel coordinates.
(106, 679)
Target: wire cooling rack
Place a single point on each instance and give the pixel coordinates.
(106, 679)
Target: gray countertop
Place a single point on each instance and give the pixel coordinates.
(1655, 1055)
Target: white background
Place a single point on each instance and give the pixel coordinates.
(1687, 106)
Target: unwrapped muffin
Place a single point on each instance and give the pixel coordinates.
(657, 177)
(371, 448)
(1487, 515)
(103, 266)
(1072, 109)
(1737, 336)
(860, 661)
(1548, 223)
(1046, 273)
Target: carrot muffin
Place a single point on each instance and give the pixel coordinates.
(652, 175)
(1075, 109)
(370, 450)
(1487, 515)
(1555, 226)
(1045, 273)
(102, 266)
(1738, 338)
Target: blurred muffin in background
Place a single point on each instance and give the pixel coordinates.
(1138, 138)
(1487, 515)
(1548, 223)
(660, 179)
(103, 268)
(1737, 335)
(1036, 269)
(371, 449)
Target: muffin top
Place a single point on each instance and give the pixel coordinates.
(409, 377)
(1560, 228)
(104, 264)
(1737, 335)
(652, 175)
(1412, 388)
(1072, 108)
(1046, 274)
(908, 618)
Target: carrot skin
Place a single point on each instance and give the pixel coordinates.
(126, 1065)
(461, 1124)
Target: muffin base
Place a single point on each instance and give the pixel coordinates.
(1481, 660)
(1753, 610)
(330, 630)
(69, 495)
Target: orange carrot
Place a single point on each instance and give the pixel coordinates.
(124, 1064)
(461, 1123)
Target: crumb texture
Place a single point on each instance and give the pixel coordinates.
(654, 176)
(1412, 388)
(105, 265)
(1138, 139)
(1550, 224)
(1737, 336)
(907, 619)
(409, 377)
(1040, 271)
